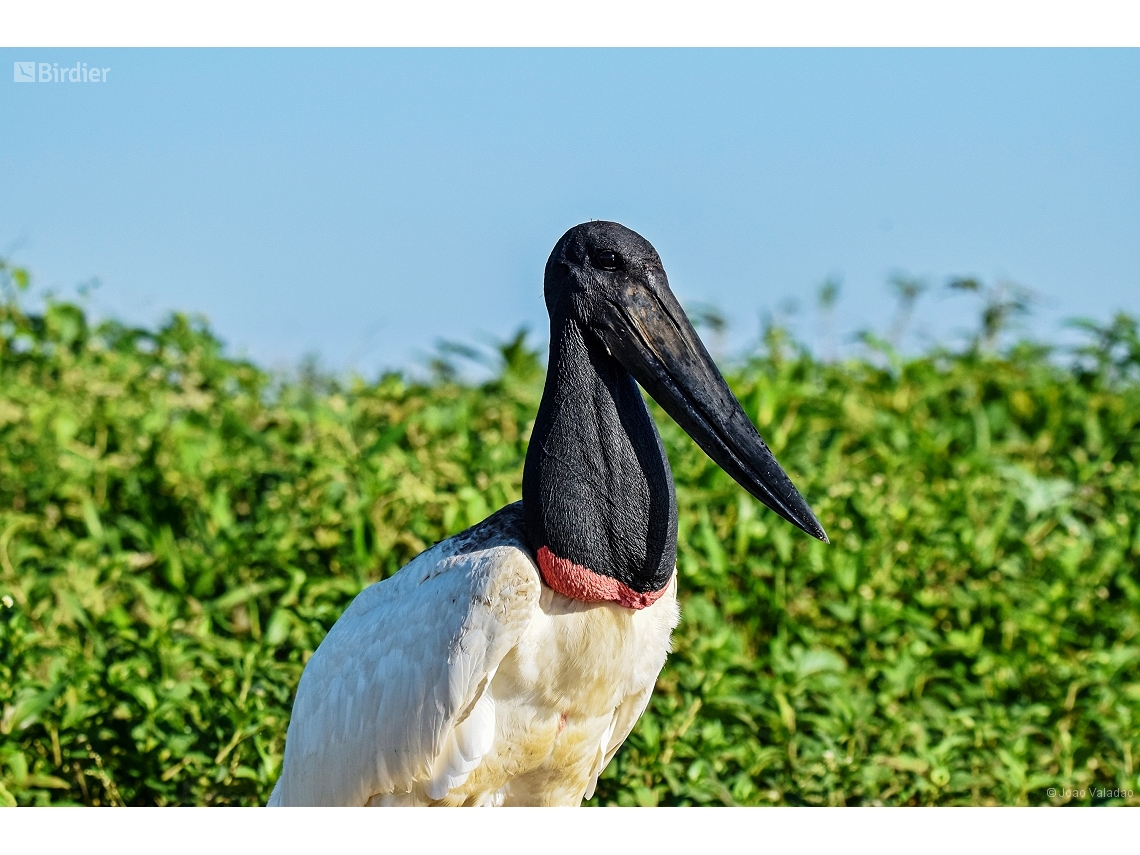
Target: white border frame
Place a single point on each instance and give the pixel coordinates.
(572, 23)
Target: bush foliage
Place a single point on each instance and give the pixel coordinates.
(178, 530)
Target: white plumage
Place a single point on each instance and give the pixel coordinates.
(465, 680)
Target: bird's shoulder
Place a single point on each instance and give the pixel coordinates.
(391, 698)
(489, 563)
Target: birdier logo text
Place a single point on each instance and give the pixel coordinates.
(53, 72)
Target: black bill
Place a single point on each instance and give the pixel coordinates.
(648, 332)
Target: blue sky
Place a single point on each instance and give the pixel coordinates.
(363, 204)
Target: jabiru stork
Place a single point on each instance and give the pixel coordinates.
(507, 664)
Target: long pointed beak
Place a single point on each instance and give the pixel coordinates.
(648, 332)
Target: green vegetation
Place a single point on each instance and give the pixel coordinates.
(178, 530)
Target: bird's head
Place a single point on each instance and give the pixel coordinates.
(610, 281)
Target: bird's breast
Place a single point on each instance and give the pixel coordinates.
(559, 696)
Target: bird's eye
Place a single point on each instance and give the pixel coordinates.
(607, 260)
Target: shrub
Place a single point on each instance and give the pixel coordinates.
(178, 530)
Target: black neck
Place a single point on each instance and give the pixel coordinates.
(597, 489)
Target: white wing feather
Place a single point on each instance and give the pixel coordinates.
(396, 695)
(625, 717)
